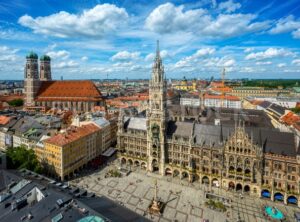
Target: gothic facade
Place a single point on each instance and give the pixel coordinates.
(245, 155)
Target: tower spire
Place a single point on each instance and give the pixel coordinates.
(157, 49)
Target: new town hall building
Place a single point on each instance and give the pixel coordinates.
(41, 92)
(233, 149)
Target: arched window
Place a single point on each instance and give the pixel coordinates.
(239, 160)
(247, 162)
(231, 159)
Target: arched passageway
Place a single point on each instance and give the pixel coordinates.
(215, 182)
(278, 197)
(123, 161)
(176, 173)
(292, 200)
(239, 187)
(266, 194)
(155, 167)
(184, 175)
(246, 188)
(231, 185)
(143, 166)
(136, 163)
(196, 178)
(205, 180)
(168, 172)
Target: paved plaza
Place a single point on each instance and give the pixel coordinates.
(184, 201)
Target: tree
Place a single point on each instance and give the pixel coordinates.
(296, 110)
(16, 102)
(20, 157)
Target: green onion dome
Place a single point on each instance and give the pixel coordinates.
(32, 55)
(45, 58)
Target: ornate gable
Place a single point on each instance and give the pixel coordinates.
(242, 144)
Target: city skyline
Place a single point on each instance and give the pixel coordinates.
(115, 39)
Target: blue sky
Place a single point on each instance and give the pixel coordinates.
(95, 39)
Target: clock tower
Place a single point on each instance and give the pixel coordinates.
(157, 117)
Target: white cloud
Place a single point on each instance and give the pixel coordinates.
(151, 56)
(204, 52)
(228, 63)
(125, 55)
(168, 18)
(250, 49)
(269, 53)
(200, 53)
(65, 64)
(187, 61)
(125, 67)
(296, 34)
(296, 62)
(291, 70)
(247, 69)
(229, 6)
(280, 65)
(202, 60)
(181, 64)
(219, 62)
(61, 54)
(84, 58)
(122, 64)
(264, 63)
(287, 24)
(135, 68)
(95, 22)
(230, 25)
(7, 54)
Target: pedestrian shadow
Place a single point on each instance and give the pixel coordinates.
(171, 200)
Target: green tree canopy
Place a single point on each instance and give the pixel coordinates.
(16, 102)
(20, 157)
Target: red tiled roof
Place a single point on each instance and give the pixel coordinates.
(221, 89)
(290, 118)
(72, 134)
(4, 120)
(170, 93)
(67, 99)
(257, 102)
(225, 97)
(99, 108)
(83, 89)
(7, 98)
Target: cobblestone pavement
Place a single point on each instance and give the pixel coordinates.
(184, 201)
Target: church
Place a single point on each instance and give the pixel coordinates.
(233, 149)
(42, 93)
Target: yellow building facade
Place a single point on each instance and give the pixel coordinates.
(185, 85)
(243, 92)
(66, 153)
